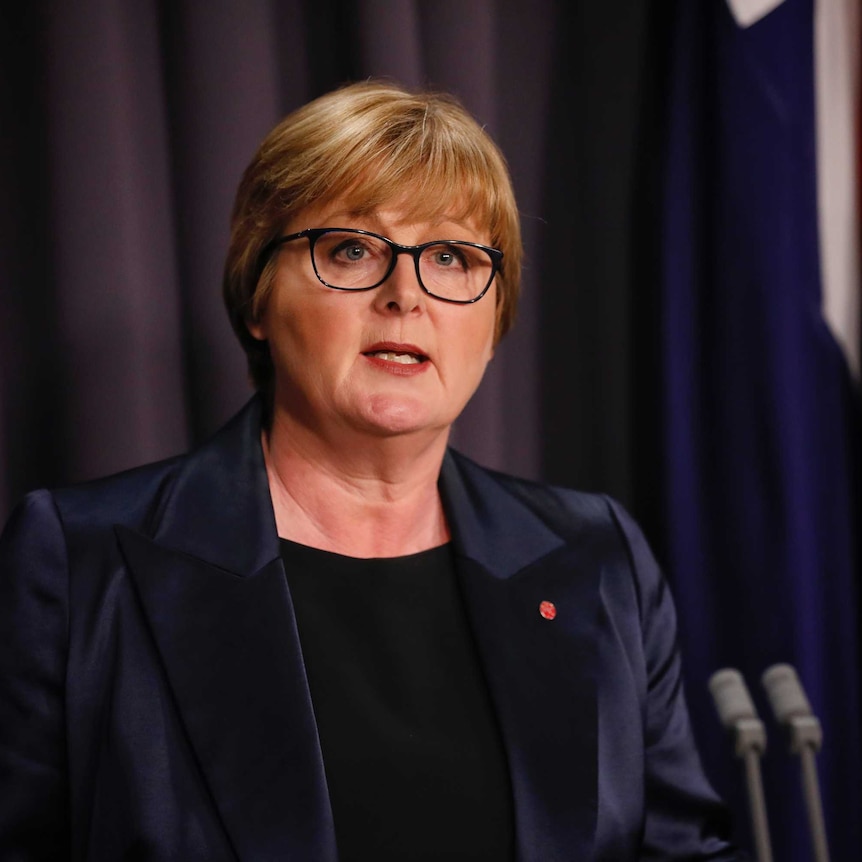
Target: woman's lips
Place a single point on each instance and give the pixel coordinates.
(404, 359)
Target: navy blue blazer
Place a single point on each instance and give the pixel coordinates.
(154, 703)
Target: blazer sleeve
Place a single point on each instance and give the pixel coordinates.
(685, 818)
(34, 806)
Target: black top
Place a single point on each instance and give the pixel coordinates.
(414, 761)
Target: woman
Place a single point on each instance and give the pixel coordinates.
(324, 635)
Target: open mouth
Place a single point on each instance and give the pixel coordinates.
(396, 356)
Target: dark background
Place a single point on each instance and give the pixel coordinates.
(125, 127)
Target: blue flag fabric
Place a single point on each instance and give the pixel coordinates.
(761, 418)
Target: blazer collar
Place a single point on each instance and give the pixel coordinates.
(488, 524)
(219, 508)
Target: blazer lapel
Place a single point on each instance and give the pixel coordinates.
(213, 588)
(540, 671)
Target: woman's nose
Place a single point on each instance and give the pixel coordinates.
(401, 291)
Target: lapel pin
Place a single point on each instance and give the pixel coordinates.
(548, 610)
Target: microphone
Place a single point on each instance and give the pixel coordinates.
(792, 709)
(737, 713)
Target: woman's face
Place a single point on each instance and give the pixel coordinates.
(387, 361)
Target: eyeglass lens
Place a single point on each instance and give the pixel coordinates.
(354, 261)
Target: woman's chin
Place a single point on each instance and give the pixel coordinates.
(386, 416)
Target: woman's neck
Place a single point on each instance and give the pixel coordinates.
(372, 498)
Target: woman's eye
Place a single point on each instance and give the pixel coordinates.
(450, 258)
(351, 251)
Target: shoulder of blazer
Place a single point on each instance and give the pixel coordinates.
(600, 520)
(132, 497)
(507, 522)
(212, 503)
(568, 512)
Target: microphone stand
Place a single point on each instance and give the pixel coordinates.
(737, 713)
(750, 745)
(811, 789)
(792, 709)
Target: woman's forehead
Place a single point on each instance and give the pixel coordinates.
(403, 209)
(422, 193)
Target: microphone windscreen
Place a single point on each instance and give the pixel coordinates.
(785, 693)
(731, 697)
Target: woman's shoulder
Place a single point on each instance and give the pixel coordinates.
(136, 497)
(568, 511)
(130, 497)
(593, 523)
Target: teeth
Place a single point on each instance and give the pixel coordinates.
(402, 358)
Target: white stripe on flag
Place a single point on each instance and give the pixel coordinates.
(748, 12)
(836, 70)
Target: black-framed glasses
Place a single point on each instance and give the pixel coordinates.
(350, 259)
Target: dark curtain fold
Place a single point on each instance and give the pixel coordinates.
(125, 128)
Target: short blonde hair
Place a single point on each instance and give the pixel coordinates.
(367, 144)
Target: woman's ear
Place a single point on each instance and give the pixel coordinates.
(256, 328)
